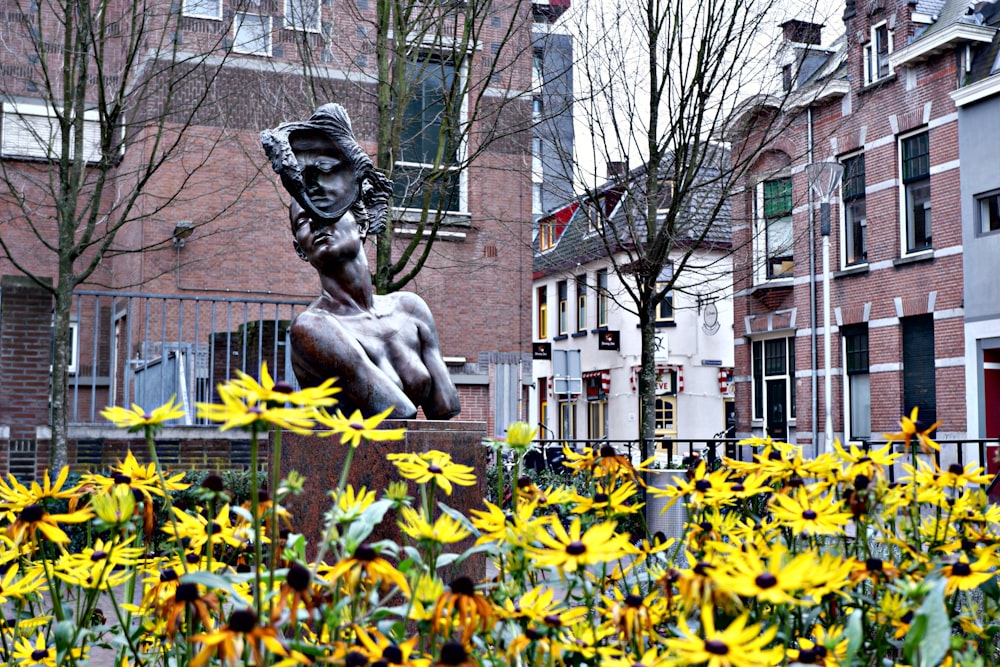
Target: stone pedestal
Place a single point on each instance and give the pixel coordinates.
(321, 461)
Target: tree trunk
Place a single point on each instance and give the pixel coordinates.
(62, 341)
(647, 382)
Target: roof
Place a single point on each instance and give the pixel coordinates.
(703, 217)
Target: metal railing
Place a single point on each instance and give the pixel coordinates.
(133, 347)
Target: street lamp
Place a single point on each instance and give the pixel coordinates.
(823, 180)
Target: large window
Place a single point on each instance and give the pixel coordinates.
(562, 290)
(988, 212)
(919, 386)
(776, 216)
(252, 34)
(302, 15)
(567, 420)
(916, 163)
(858, 382)
(855, 212)
(666, 416)
(543, 313)
(427, 167)
(877, 51)
(32, 131)
(581, 303)
(602, 298)
(773, 366)
(206, 9)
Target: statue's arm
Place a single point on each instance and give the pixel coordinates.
(322, 349)
(443, 400)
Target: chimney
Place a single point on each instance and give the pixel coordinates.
(802, 32)
(616, 170)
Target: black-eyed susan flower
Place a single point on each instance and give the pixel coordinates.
(296, 592)
(738, 645)
(777, 578)
(349, 504)
(445, 529)
(454, 654)
(195, 529)
(187, 596)
(964, 574)
(573, 549)
(812, 514)
(540, 606)
(352, 430)
(366, 568)
(238, 411)
(426, 593)
(103, 565)
(825, 646)
(15, 496)
(138, 419)
(21, 582)
(872, 463)
(634, 616)
(279, 393)
(462, 606)
(228, 641)
(380, 650)
(520, 435)
(433, 466)
(34, 519)
(654, 656)
(609, 501)
(40, 653)
(909, 429)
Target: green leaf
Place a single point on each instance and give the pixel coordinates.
(853, 634)
(929, 638)
(990, 589)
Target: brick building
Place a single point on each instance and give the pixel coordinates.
(227, 236)
(879, 103)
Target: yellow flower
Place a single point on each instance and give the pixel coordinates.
(352, 430)
(520, 435)
(778, 579)
(444, 530)
(817, 515)
(101, 566)
(13, 587)
(116, 507)
(39, 653)
(908, 429)
(268, 391)
(433, 465)
(463, 606)
(235, 412)
(15, 496)
(572, 550)
(34, 518)
(349, 505)
(134, 475)
(137, 419)
(228, 641)
(965, 575)
(367, 567)
(610, 502)
(738, 645)
(195, 529)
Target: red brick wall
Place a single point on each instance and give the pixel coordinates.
(25, 355)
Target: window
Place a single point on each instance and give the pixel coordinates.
(666, 416)
(543, 312)
(773, 366)
(988, 212)
(206, 9)
(302, 15)
(776, 217)
(919, 387)
(876, 55)
(855, 213)
(562, 291)
(915, 153)
(537, 69)
(74, 346)
(547, 234)
(426, 170)
(666, 200)
(597, 411)
(581, 303)
(595, 221)
(858, 382)
(253, 34)
(665, 309)
(602, 298)
(31, 131)
(567, 420)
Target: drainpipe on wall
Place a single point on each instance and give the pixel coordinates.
(813, 354)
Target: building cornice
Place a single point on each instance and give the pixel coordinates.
(953, 35)
(977, 91)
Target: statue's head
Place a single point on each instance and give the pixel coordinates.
(326, 170)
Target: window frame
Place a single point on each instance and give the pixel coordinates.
(567, 419)
(603, 298)
(665, 308)
(854, 209)
(267, 26)
(909, 185)
(875, 57)
(458, 192)
(581, 302)
(542, 310)
(597, 418)
(766, 221)
(759, 375)
(217, 16)
(289, 25)
(562, 305)
(856, 346)
(16, 118)
(982, 200)
(660, 421)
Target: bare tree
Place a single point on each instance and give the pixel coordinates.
(99, 99)
(447, 83)
(660, 82)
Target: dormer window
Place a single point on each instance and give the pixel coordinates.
(876, 53)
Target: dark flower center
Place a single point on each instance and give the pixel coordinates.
(299, 577)
(820, 650)
(533, 634)
(702, 568)
(705, 526)
(702, 485)
(191, 558)
(553, 620)
(907, 617)
(242, 620)
(766, 580)
(633, 601)
(576, 548)
(874, 564)
(98, 555)
(213, 483)
(523, 482)
(453, 653)
(355, 659)
(39, 654)
(716, 647)
(170, 574)
(956, 469)
(366, 553)
(864, 459)
(809, 515)
(463, 586)
(807, 656)
(607, 451)
(357, 426)
(961, 569)
(434, 469)
(795, 481)
(393, 655)
(146, 416)
(255, 410)
(283, 388)
(861, 482)
(737, 487)
(263, 496)
(186, 592)
(32, 513)
(600, 497)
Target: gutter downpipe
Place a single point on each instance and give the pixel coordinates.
(812, 293)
